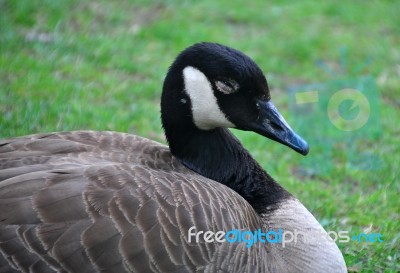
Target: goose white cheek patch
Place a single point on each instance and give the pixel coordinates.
(205, 110)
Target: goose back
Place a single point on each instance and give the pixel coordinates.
(112, 202)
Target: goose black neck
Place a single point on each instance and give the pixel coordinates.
(218, 155)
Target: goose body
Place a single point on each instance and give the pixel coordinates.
(89, 201)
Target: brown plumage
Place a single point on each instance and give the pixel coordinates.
(110, 202)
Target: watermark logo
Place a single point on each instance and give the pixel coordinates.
(341, 112)
(278, 236)
(358, 101)
(368, 238)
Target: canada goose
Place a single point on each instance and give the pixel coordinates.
(89, 201)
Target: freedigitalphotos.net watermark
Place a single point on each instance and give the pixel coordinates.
(278, 236)
(341, 112)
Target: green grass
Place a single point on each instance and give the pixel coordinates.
(69, 65)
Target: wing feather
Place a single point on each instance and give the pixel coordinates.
(110, 202)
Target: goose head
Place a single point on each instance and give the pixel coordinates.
(213, 86)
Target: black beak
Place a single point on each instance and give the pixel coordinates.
(271, 124)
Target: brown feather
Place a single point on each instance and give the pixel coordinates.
(111, 202)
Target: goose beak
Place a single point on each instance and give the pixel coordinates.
(271, 124)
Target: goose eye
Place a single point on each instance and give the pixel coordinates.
(227, 86)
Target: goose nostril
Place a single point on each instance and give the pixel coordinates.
(275, 126)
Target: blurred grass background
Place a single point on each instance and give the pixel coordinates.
(69, 65)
